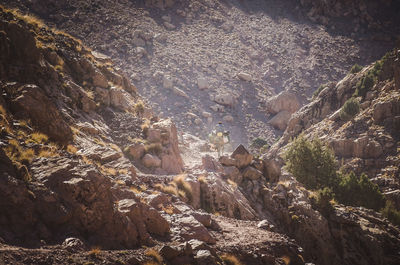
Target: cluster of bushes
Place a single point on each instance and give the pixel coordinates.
(259, 145)
(355, 69)
(350, 109)
(368, 81)
(320, 88)
(313, 163)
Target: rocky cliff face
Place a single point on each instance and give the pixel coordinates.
(200, 61)
(86, 167)
(83, 164)
(367, 143)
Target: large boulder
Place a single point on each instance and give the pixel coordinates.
(219, 196)
(151, 161)
(283, 101)
(142, 213)
(280, 120)
(242, 156)
(99, 80)
(202, 83)
(190, 228)
(121, 99)
(225, 98)
(76, 199)
(171, 159)
(233, 174)
(136, 150)
(244, 76)
(31, 103)
(251, 173)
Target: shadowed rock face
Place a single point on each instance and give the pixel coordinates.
(30, 102)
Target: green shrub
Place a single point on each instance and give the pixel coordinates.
(359, 191)
(355, 69)
(391, 213)
(364, 85)
(322, 200)
(350, 109)
(320, 88)
(258, 142)
(312, 163)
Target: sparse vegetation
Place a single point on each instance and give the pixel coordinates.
(152, 253)
(202, 179)
(230, 259)
(350, 109)
(108, 171)
(139, 108)
(320, 88)
(153, 148)
(184, 187)
(321, 200)
(364, 85)
(355, 69)
(47, 153)
(169, 209)
(72, 149)
(178, 187)
(313, 163)
(39, 138)
(369, 80)
(94, 251)
(170, 189)
(391, 213)
(359, 191)
(232, 183)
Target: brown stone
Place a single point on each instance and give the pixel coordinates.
(242, 156)
(33, 104)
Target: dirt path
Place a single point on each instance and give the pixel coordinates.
(193, 149)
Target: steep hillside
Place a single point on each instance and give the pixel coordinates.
(78, 155)
(202, 61)
(90, 174)
(364, 138)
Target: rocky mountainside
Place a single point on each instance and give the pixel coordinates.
(202, 61)
(90, 175)
(78, 157)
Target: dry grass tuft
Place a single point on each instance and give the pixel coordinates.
(184, 187)
(170, 189)
(109, 171)
(135, 190)
(123, 171)
(47, 153)
(115, 147)
(95, 251)
(285, 260)
(154, 148)
(72, 149)
(230, 259)
(202, 179)
(39, 138)
(232, 183)
(152, 253)
(169, 209)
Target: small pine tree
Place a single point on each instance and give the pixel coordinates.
(312, 163)
(355, 69)
(359, 191)
(391, 213)
(350, 109)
